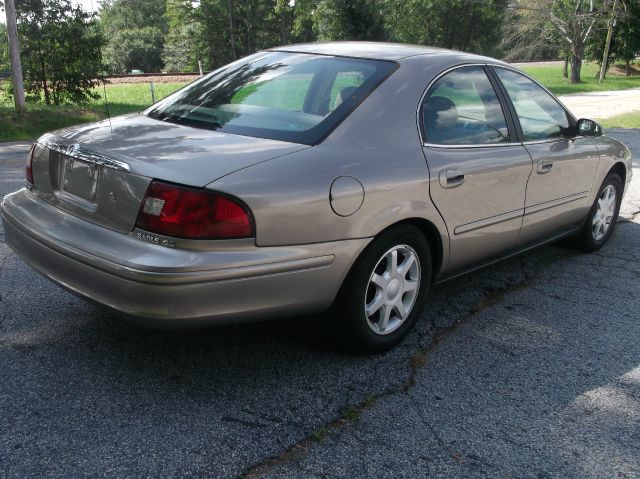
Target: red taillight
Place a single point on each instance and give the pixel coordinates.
(29, 168)
(182, 212)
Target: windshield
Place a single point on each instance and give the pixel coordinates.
(283, 96)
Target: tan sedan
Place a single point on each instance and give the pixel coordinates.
(342, 176)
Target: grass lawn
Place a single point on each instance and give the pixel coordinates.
(130, 97)
(39, 120)
(626, 120)
(551, 77)
(123, 98)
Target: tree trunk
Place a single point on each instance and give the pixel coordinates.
(43, 71)
(14, 55)
(576, 66)
(232, 35)
(249, 26)
(45, 86)
(55, 94)
(605, 57)
(575, 70)
(213, 58)
(565, 68)
(283, 27)
(627, 68)
(469, 35)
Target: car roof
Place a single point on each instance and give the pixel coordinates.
(381, 51)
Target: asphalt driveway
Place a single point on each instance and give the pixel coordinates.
(602, 104)
(530, 368)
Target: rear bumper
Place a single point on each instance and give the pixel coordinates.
(228, 282)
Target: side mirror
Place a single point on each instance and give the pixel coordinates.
(589, 127)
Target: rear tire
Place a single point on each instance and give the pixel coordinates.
(385, 291)
(602, 217)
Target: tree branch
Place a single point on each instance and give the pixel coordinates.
(586, 35)
(561, 26)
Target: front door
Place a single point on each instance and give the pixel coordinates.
(564, 164)
(479, 171)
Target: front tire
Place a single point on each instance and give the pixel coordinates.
(602, 217)
(385, 291)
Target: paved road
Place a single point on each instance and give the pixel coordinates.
(548, 63)
(602, 104)
(530, 368)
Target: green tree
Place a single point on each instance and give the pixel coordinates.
(302, 26)
(136, 48)
(625, 42)
(349, 20)
(183, 41)
(284, 11)
(5, 67)
(230, 29)
(60, 45)
(135, 32)
(529, 36)
(574, 21)
(627, 35)
(455, 24)
(263, 25)
(4, 49)
(567, 27)
(123, 14)
(329, 20)
(218, 20)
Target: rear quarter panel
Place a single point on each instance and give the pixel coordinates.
(378, 144)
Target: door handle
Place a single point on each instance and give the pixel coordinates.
(451, 178)
(544, 166)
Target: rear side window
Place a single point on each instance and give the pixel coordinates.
(293, 97)
(462, 108)
(541, 116)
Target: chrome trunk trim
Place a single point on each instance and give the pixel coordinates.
(76, 151)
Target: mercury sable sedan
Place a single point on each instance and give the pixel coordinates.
(340, 176)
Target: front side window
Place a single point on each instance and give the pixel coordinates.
(293, 97)
(462, 109)
(541, 116)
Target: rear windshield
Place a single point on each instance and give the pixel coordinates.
(292, 97)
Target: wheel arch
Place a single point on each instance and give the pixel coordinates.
(432, 235)
(620, 169)
(429, 230)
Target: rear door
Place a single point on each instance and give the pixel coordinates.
(564, 163)
(479, 170)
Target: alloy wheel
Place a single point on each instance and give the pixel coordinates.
(605, 211)
(392, 289)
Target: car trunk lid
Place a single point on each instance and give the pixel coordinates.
(101, 171)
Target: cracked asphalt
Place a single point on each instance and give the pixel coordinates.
(529, 368)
